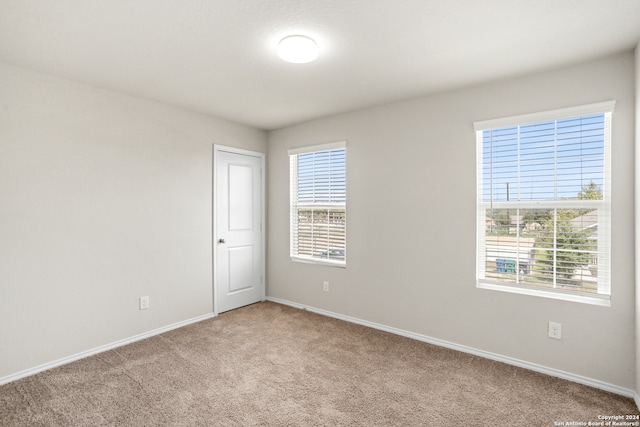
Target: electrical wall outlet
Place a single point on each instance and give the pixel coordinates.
(555, 330)
(144, 303)
(325, 286)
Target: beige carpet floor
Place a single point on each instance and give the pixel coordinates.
(273, 365)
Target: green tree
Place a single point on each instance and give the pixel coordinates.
(571, 241)
(592, 191)
(501, 217)
(501, 220)
(570, 244)
(540, 216)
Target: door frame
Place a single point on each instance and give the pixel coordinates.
(217, 148)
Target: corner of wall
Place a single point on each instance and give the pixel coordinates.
(637, 224)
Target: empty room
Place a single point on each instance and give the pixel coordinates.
(295, 212)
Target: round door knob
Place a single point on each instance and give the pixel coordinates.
(221, 241)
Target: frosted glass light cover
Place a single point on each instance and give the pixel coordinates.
(298, 49)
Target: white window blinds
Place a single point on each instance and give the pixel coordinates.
(544, 203)
(318, 203)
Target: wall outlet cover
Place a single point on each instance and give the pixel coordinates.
(555, 330)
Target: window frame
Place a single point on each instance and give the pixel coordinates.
(295, 205)
(603, 297)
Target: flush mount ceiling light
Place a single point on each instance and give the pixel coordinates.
(298, 49)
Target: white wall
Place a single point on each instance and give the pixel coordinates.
(411, 172)
(103, 198)
(637, 224)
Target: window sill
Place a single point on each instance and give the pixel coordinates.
(339, 264)
(603, 302)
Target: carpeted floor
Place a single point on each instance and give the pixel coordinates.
(269, 364)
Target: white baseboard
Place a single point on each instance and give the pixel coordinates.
(481, 353)
(82, 355)
(636, 398)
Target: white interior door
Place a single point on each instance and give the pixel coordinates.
(238, 234)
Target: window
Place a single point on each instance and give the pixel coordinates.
(543, 202)
(318, 204)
